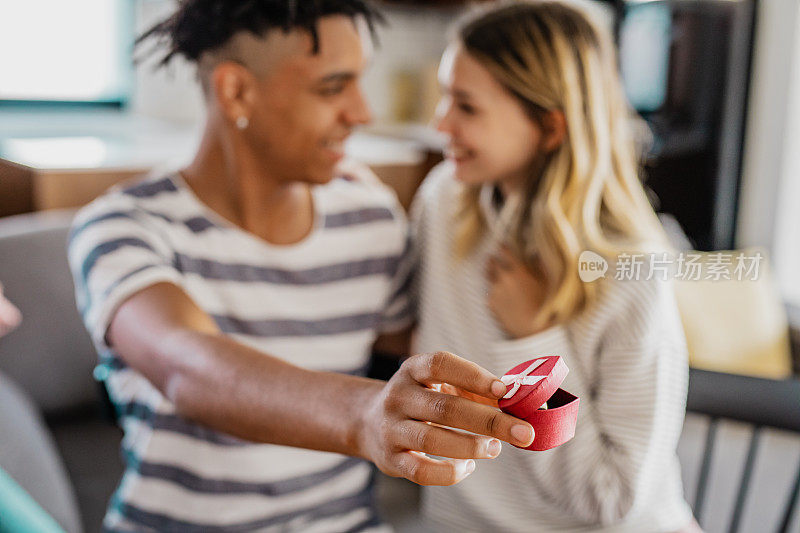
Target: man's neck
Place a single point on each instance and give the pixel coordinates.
(230, 184)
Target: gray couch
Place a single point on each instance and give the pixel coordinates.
(55, 441)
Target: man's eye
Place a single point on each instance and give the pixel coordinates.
(331, 90)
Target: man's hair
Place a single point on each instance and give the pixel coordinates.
(199, 26)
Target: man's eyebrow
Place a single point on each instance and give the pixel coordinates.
(337, 76)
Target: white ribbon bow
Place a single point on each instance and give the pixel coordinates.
(522, 378)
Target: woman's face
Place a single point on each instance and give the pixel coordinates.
(492, 138)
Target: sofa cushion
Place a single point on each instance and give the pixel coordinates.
(50, 355)
(29, 455)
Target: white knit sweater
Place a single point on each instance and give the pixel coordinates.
(628, 364)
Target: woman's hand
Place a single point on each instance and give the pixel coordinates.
(405, 422)
(515, 294)
(10, 317)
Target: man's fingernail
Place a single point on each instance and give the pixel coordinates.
(464, 468)
(499, 388)
(493, 448)
(523, 434)
(470, 466)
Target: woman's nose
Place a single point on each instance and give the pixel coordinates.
(442, 119)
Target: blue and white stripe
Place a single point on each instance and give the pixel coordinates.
(318, 304)
(628, 364)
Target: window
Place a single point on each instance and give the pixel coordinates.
(769, 216)
(57, 51)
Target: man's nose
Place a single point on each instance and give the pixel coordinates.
(359, 111)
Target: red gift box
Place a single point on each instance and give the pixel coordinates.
(528, 386)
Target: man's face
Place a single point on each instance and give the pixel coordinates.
(308, 104)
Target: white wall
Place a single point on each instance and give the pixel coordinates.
(787, 224)
(769, 214)
(167, 93)
(413, 41)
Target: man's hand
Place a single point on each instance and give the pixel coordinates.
(405, 421)
(230, 387)
(10, 317)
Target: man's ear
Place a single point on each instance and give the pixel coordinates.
(233, 87)
(554, 125)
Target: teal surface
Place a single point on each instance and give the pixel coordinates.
(19, 513)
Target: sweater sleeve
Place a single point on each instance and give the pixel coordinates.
(633, 391)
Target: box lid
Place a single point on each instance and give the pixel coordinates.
(532, 383)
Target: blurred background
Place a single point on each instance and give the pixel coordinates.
(717, 82)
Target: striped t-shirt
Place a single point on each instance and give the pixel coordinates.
(627, 362)
(318, 304)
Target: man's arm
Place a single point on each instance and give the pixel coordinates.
(216, 381)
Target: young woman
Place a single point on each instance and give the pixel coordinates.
(541, 166)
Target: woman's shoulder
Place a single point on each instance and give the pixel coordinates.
(634, 306)
(439, 188)
(621, 292)
(439, 182)
(632, 273)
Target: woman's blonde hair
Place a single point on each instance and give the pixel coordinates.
(588, 195)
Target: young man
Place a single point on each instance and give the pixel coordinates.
(235, 303)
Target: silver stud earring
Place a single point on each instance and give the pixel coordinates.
(242, 122)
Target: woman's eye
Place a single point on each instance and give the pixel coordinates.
(466, 108)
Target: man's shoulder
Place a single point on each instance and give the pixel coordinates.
(133, 191)
(149, 186)
(133, 200)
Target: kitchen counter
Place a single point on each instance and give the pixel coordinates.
(64, 158)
